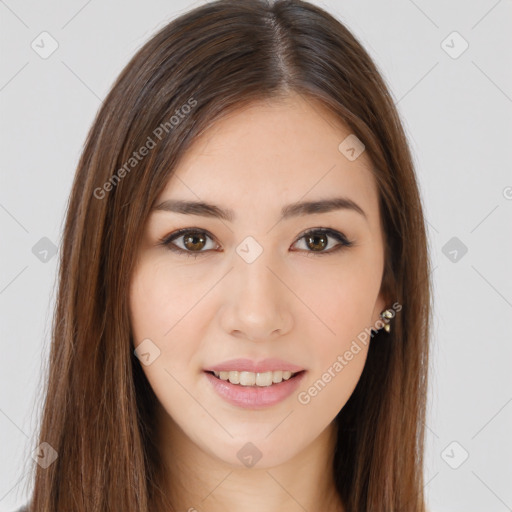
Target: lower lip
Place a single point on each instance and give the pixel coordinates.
(255, 397)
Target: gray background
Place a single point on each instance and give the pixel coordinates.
(457, 111)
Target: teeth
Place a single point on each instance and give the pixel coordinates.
(259, 379)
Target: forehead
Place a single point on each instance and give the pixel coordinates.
(280, 151)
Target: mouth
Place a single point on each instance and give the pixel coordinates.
(254, 390)
(255, 379)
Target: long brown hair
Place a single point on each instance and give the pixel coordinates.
(98, 412)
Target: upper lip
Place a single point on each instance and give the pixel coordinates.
(248, 365)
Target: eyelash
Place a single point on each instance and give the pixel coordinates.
(340, 237)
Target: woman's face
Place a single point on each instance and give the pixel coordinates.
(255, 284)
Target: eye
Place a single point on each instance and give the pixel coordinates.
(194, 240)
(318, 239)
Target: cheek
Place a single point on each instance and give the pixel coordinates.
(342, 307)
(149, 298)
(327, 391)
(160, 306)
(342, 298)
(161, 310)
(159, 299)
(337, 362)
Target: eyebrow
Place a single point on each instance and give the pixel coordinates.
(292, 210)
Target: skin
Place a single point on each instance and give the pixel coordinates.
(290, 303)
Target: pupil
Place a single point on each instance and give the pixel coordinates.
(312, 238)
(194, 244)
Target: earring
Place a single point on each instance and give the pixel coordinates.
(386, 316)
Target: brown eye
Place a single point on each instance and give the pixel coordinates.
(192, 242)
(317, 240)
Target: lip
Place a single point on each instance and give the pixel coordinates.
(254, 397)
(248, 365)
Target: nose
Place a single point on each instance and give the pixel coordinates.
(258, 301)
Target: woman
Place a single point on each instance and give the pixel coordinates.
(244, 301)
